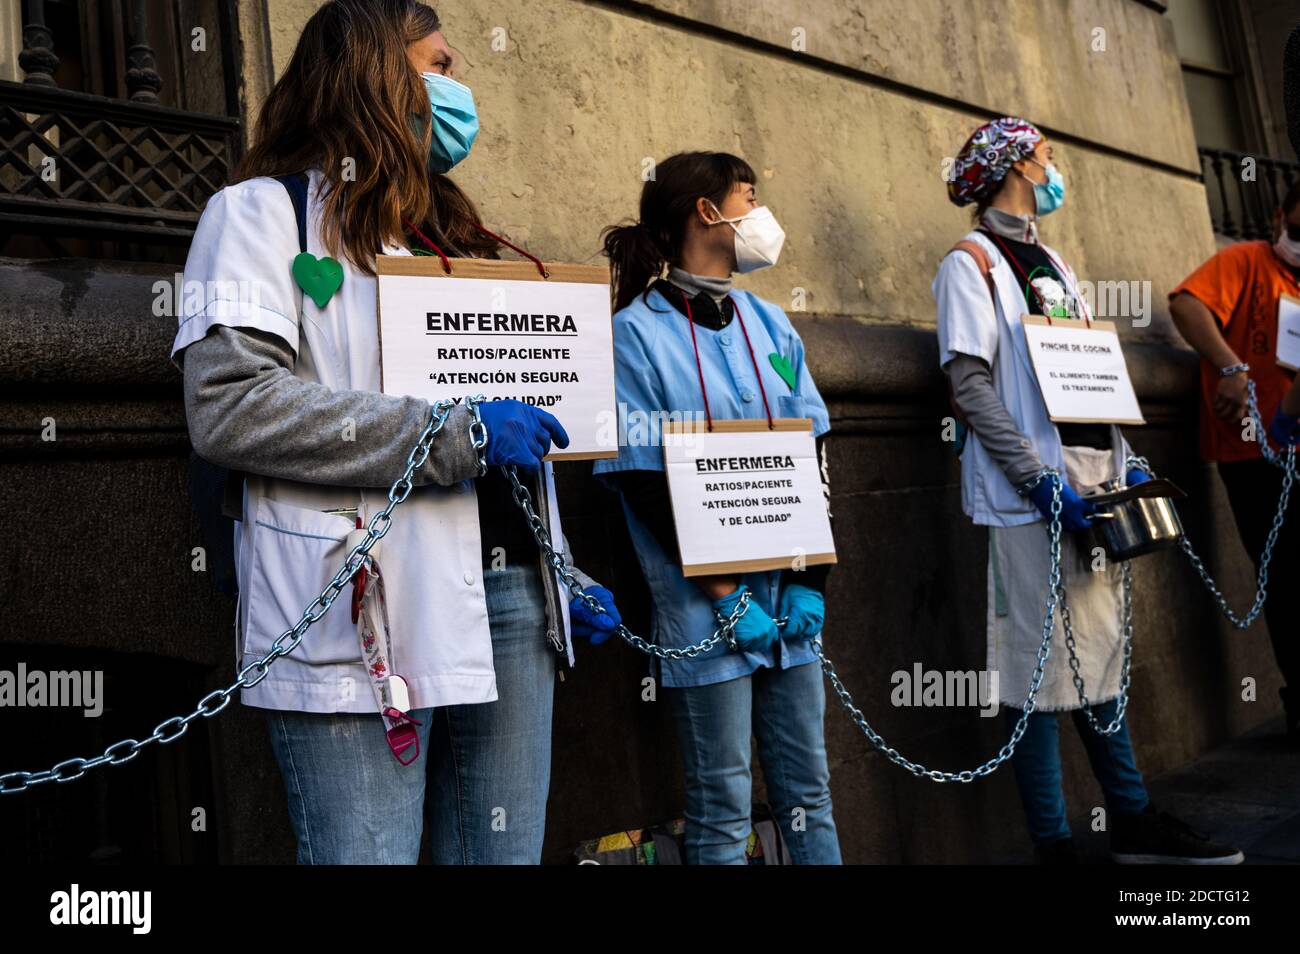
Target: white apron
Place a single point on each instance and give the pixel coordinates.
(1017, 600)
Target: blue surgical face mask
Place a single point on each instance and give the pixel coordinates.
(455, 121)
(1049, 195)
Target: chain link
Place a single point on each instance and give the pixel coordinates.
(169, 730)
(478, 435)
(1286, 461)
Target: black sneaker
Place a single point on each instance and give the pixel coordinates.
(1058, 852)
(1154, 837)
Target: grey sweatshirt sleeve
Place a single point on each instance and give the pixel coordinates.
(248, 411)
(988, 417)
(578, 574)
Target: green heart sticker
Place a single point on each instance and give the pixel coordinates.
(320, 278)
(783, 368)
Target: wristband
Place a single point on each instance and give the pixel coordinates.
(1232, 369)
(1137, 462)
(1028, 486)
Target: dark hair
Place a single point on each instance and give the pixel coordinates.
(349, 92)
(638, 252)
(1292, 198)
(984, 201)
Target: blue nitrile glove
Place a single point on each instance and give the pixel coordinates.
(519, 433)
(1135, 476)
(1076, 513)
(805, 610)
(593, 626)
(755, 631)
(1284, 429)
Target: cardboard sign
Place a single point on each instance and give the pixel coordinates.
(1081, 371)
(1288, 332)
(501, 330)
(746, 498)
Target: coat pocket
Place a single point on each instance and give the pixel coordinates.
(296, 552)
(790, 405)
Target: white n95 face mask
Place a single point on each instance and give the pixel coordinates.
(759, 238)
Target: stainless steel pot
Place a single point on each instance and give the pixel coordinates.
(1134, 521)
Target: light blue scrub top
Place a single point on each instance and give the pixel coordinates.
(655, 371)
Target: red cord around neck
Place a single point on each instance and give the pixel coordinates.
(532, 258)
(758, 374)
(699, 365)
(446, 263)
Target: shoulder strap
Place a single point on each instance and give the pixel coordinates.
(231, 501)
(985, 265)
(982, 261)
(296, 185)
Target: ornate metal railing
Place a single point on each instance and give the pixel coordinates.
(75, 164)
(121, 168)
(1244, 190)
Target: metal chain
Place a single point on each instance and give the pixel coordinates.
(1133, 461)
(845, 698)
(478, 435)
(1286, 461)
(1126, 630)
(172, 729)
(726, 626)
(1283, 459)
(169, 730)
(1056, 594)
(1044, 652)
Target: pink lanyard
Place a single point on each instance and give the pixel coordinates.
(699, 366)
(370, 615)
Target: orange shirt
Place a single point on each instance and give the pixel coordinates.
(1241, 285)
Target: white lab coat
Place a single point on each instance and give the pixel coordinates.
(286, 548)
(968, 324)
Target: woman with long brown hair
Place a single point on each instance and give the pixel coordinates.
(456, 624)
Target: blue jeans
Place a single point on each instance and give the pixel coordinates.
(784, 710)
(1037, 765)
(489, 765)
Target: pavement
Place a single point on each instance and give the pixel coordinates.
(1245, 793)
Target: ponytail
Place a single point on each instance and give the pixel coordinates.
(635, 260)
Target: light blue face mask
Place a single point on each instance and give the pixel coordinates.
(455, 121)
(1049, 195)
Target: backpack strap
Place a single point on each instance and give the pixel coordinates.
(232, 489)
(296, 185)
(982, 261)
(985, 265)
